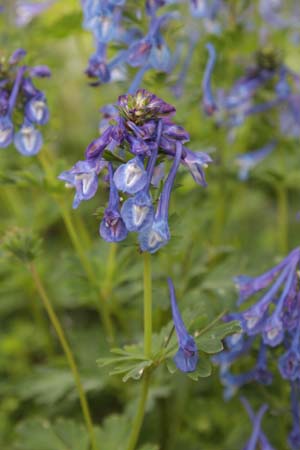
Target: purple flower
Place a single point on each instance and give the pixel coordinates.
(28, 140)
(143, 106)
(186, 358)
(112, 227)
(84, 177)
(152, 239)
(40, 72)
(17, 56)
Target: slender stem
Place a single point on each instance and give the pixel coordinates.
(282, 209)
(68, 352)
(108, 281)
(147, 305)
(78, 244)
(138, 420)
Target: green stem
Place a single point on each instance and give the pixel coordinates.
(111, 264)
(68, 352)
(138, 420)
(78, 243)
(282, 218)
(147, 305)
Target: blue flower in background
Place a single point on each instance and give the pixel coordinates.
(27, 11)
(294, 436)
(186, 358)
(28, 140)
(258, 436)
(273, 320)
(19, 94)
(209, 103)
(249, 160)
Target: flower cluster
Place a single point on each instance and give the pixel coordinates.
(269, 78)
(21, 101)
(139, 133)
(273, 321)
(104, 20)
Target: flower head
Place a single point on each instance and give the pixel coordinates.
(137, 136)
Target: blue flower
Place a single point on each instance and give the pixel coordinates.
(112, 227)
(27, 11)
(131, 177)
(138, 212)
(28, 140)
(249, 160)
(257, 434)
(186, 358)
(196, 162)
(84, 177)
(36, 110)
(158, 235)
(289, 362)
(209, 103)
(294, 436)
(6, 131)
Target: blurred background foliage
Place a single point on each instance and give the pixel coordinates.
(230, 227)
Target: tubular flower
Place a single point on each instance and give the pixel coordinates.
(273, 321)
(136, 136)
(257, 435)
(19, 94)
(186, 358)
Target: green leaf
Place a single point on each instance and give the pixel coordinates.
(129, 362)
(211, 340)
(38, 434)
(203, 370)
(149, 447)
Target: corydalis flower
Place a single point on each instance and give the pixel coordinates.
(209, 103)
(249, 160)
(27, 11)
(255, 319)
(112, 227)
(84, 178)
(186, 358)
(257, 433)
(137, 135)
(19, 94)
